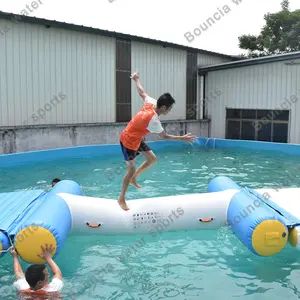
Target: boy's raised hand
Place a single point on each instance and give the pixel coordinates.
(47, 256)
(46, 252)
(135, 76)
(13, 252)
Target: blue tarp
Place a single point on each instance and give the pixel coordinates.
(13, 206)
(291, 221)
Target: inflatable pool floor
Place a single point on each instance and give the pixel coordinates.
(264, 220)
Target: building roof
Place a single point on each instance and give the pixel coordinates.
(81, 28)
(250, 62)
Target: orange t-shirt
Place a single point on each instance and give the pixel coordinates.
(144, 122)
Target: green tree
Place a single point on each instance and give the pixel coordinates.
(281, 34)
(285, 5)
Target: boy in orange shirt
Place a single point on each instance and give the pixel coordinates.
(144, 122)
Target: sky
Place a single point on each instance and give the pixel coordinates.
(166, 20)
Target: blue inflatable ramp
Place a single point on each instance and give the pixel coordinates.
(14, 207)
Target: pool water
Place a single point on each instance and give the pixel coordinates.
(177, 265)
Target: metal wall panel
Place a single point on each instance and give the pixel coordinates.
(161, 70)
(207, 60)
(266, 86)
(202, 104)
(191, 86)
(38, 65)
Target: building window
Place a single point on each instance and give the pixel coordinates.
(258, 125)
(123, 81)
(191, 86)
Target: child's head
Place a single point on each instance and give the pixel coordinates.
(37, 276)
(55, 181)
(165, 103)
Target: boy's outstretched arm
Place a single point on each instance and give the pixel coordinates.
(47, 255)
(187, 138)
(17, 266)
(135, 76)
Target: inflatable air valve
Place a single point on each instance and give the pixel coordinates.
(4, 243)
(260, 228)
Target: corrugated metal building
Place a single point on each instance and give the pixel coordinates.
(63, 85)
(259, 99)
(58, 73)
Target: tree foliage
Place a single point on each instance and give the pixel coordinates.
(281, 34)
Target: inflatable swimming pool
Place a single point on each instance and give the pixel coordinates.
(264, 220)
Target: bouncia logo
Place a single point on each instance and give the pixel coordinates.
(218, 15)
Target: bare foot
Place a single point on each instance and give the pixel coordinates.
(135, 184)
(123, 205)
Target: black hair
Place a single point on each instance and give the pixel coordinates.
(165, 100)
(55, 180)
(34, 274)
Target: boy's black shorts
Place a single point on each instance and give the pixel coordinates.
(132, 154)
